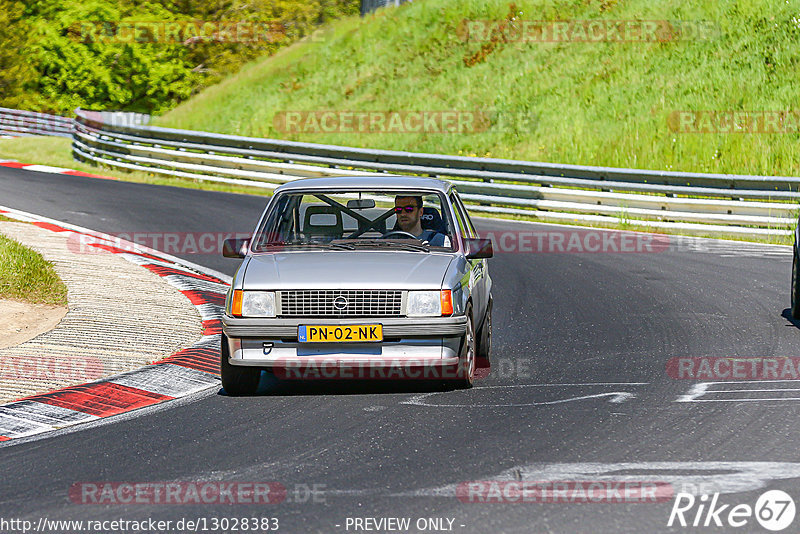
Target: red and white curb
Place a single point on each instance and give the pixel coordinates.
(48, 169)
(186, 372)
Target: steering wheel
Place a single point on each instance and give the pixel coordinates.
(399, 233)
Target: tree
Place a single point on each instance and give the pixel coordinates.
(63, 54)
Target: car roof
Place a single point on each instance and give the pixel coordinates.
(363, 182)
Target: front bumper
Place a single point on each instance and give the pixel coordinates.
(412, 342)
(393, 327)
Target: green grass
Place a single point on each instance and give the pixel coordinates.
(26, 276)
(56, 152)
(595, 103)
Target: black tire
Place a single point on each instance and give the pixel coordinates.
(484, 353)
(237, 380)
(795, 287)
(466, 363)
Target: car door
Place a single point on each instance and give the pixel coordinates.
(478, 268)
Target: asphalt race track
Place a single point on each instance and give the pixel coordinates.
(579, 391)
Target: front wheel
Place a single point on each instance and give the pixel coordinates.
(237, 380)
(484, 359)
(466, 364)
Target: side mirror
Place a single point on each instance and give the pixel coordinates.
(235, 248)
(478, 249)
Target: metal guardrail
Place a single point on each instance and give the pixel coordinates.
(692, 202)
(22, 123)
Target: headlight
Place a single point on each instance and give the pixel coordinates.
(253, 304)
(429, 303)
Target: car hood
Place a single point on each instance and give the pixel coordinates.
(346, 269)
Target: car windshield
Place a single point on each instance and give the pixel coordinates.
(404, 220)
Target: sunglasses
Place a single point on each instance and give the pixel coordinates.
(407, 209)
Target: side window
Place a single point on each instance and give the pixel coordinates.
(459, 216)
(467, 219)
(463, 216)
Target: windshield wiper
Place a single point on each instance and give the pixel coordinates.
(342, 246)
(391, 244)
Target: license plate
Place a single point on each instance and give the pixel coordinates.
(339, 334)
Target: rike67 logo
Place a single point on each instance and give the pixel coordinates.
(774, 510)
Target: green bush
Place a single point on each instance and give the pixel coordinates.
(50, 61)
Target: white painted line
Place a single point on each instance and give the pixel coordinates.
(616, 397)
(704, 389)
(133, 258)
(699, 477)
(696, 391)
(773, 399)
(44, 413)
(13, 427)
(207, 342)
(752, 390)
(18, 217)
(125, 416)
(166, 379)
(209, 311)
(189, 283)
(696, 478)
(784, 381)
(44, 168)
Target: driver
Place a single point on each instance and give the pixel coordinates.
(409, 213)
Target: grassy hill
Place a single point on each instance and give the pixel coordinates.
(598, 103)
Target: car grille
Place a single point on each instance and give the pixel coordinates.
(341, 303)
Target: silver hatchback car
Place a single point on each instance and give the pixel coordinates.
(359, 278)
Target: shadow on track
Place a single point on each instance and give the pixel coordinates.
(270, 385)
(787, 314)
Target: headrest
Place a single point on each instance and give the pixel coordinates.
(431, 220)
(323, 220)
